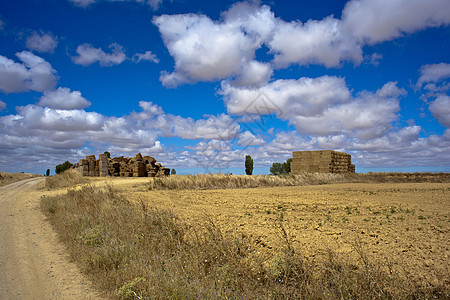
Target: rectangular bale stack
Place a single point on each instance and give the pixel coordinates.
(103, 165)
(83, 167)
(325, 161)
(92, 163)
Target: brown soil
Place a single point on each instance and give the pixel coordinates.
(402, 225)
(33, 264)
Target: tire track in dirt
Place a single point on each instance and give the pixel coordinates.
(33, 264)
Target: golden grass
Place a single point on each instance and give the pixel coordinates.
(8, 178)
(224, 181)
(133, 251)
(66, 179)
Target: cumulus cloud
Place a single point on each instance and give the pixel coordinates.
(88, 55)
(433, 73)
(319, 106)
(254, 74)
(63, 98)
(2, 105)
(315, 42)
(221, 127)
(247, 139)
(36, 131)
(148, 56)
(306, 96)
(42, 42)
(203, 50)
(440, 108)
(377, 21)
(369, 116)
(208, 50)
(34, 73)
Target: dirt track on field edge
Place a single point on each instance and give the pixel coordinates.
(33, 264)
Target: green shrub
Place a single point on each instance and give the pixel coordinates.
(63, 167)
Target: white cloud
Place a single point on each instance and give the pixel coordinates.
(148, 56)
(208, 50)
(306, 96)
(88, 55)
(249, 139)
(377, 21)
(369, 116)
(2, 105)
(33, 74)
(63, 98)
(35, 132)
(320, 106)
(440, 108)
(43, 42)
(203, 50)
(315, 42)
(433, 73)
(254, 74)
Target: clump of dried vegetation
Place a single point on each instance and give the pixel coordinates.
(133, 251)
(8, 178)
(226, 181)
(63, 180)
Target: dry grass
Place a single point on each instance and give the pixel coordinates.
(8, 178)
(66, 179)
(222, 181)
(133, 251)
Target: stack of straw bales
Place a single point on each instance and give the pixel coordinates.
(325, 161)
(139, 166)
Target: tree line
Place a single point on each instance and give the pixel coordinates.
(275, 169)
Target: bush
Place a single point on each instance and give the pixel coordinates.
(63, 167)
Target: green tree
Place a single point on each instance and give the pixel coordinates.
(277, 169)
(47, 173)
(107, 154)
(173, 172)
(281, 168)
(248, 165)
(63, 167)
(287, 166)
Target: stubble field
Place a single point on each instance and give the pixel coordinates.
(357, 240)
(403, 224)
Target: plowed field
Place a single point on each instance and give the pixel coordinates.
(401, 225)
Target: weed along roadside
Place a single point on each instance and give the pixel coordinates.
(227, 239)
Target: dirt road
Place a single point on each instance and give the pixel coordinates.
(33, 264)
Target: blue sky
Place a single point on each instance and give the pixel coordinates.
(199, 85)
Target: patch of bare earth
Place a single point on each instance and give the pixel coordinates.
(401, 225)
